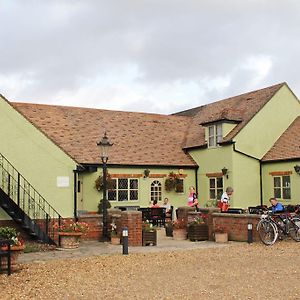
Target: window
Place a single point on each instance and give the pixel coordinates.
(179, 188)
(215, 187)
(282, 187)
(123, 189)
(215, 135)
(156, 190)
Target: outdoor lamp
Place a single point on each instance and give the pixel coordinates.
(104, 145)
(297, 169)
(225, 172)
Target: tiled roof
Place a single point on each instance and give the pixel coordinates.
(240, 109)
(139, 138)
(287, 146)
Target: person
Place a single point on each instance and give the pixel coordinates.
(167, 205)
(154, 205)
(193, 199)
(276, 206)
(225, 199)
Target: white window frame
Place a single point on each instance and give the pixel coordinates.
(156, 190)
(281, 188)
(117, 189)
(215, 135)
(215, 188)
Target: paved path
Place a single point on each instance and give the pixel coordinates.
(94, 248)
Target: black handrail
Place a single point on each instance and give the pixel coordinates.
(28, 199)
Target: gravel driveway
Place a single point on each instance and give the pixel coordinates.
(238, 271)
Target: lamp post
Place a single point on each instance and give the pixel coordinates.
(104, 145)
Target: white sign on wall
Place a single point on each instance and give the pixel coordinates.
(63, 181)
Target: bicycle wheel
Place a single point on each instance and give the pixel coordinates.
(267, 231)
(294, 228)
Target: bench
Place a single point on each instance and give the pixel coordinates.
(5, 252)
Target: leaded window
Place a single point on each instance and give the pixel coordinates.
(123, 189)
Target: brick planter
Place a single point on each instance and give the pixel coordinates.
(150, 238)
(198, 232)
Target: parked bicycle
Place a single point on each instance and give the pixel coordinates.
(272, 226)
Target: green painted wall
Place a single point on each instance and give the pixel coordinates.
(36, 158)
(91, 197)
(259, 135)
(212, 160)
(246, 181)
(268, 181)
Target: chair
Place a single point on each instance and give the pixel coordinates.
(169, 214)
(158, 216)
(6, 254)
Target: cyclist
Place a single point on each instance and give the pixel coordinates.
(277, 207)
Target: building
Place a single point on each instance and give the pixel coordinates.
(249, 142)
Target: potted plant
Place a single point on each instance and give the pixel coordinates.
(221, 235)
(10, 233)
(109, 182)
(197, 229)
(70, 232)
(169, 229)
(179, 229)
(149, 234)
(114, 237)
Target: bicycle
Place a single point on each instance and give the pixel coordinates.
(271, 226)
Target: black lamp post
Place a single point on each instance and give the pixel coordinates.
(104, 145)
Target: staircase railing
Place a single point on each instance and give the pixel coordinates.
(29, 199)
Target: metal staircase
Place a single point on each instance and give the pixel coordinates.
(26, 206)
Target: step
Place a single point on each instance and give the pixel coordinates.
(33, 234)
(18, 220)
(11, 213)
(4, 205)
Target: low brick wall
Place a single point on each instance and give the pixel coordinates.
(237, 225)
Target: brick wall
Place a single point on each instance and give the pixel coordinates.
(237, 225)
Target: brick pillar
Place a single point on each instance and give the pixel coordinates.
(183, 213)
(133, 221)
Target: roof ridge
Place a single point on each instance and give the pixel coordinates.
(225, 99)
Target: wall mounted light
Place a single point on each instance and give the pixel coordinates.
(146, 173)
(225, 172)
(297, 169)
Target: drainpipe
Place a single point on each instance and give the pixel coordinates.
(196, 177)
(75, 172)
(260, 170)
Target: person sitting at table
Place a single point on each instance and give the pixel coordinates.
(154, 205)
(276, 206)
(167, 206)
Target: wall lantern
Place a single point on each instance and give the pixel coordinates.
(225, 172)
(146, 173)
(297, 169)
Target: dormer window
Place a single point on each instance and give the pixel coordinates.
(214, 135)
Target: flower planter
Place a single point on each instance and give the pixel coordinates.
(115, 240)
(179, 234)
(69, 240)
(169, 231)
(198, 232)
(150, 238)
(14, 254)
(221, 237)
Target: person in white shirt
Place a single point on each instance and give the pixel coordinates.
(225, 199)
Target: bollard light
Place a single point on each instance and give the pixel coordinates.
(250, 233)
(125, 240)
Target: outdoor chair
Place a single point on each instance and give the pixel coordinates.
(158, 216)
(6, 254)
(234, 211)
(169, 214)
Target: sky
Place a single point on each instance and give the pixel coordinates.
(159, 56)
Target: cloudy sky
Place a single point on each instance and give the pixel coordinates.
(146, 55)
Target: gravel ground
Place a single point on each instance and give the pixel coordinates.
(238, 271)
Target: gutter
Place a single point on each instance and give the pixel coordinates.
(260, 170)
